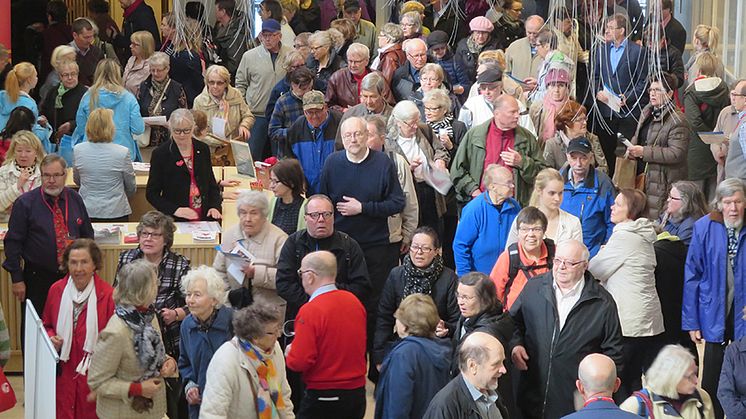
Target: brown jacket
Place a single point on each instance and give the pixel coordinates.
(664, 152)
(392, 59)
(342, 91)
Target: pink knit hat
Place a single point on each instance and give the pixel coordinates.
(482, 24)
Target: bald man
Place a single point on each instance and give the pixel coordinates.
(521, 58)
(597, 382)
(481, 358)
(328, 349)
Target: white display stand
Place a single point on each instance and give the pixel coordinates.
(39, 369)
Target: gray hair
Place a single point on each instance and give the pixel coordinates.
(358, 49)
(693, 203)
(249, 322)
(137, 284)
(159, 59)
(321, 38)
(254, 199)
(392, 32)
(668, 369)
(416, 20)
(373, 82)
(410, 43)
(470, 350)
(438, 97)
(213, 282)
(725, 189)
(492, 172)
(179, 116)
(53, 158)
(405, 110)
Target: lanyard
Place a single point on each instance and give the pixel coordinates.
(41, 191)
(598, 399)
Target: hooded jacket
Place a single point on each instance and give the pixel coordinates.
(626, 268)
(703, 101)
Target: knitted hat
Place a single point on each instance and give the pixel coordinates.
(482, 24)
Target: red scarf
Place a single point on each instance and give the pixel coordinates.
(129, 10)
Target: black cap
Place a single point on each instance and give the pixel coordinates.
(490, 75)
(351, 5)
(581, 145)
(437, 38)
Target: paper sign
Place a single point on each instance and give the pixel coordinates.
(615, 101)
(218, 127)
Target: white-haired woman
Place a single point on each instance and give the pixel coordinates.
(324, 59)
(207, 326)
(223, 102)
(438, 110)
(159, 95)
(671, 388)
(264, 241)
(60, 55)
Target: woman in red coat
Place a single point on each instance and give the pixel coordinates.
(78, 307)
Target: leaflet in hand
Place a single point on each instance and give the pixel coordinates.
(159, 121)
(615, 101)
(438, 179)
(236, 259)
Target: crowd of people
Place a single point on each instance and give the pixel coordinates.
(483, 214)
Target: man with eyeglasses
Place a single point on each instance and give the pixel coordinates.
(407, 77)
(560, 317)
(344, 87)
(731, 155)
(261, 68)
(329, 344)
(43, 222)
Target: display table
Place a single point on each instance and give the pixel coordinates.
(198, 252)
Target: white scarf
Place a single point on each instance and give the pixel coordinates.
(71, 296)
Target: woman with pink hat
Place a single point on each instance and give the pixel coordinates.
(481, 39)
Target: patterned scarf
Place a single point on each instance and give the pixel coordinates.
(446, 122)
(269, 394)
(148, 344)
(61, 90)
(475, 48)
(732, 244)
(421, 280)
(156, 90)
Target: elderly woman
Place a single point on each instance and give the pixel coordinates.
(155, 235)
(411, 25)
(247, 375)
(418, 148)
(324, 59)
(107, 91)
(685, 205)
(60, 55)
(159, 95)
(418, 366)
(77, 308)
(129, 362)
(288, 184)
(571, 121)
(20, 171)
(549, 186)
(480, 40)
(263, 240)
(142, 46)
(207, 326)
(660, 143)
(225, 104)
(181, 181)
(60, 104)
(437, 106)
(390, 55)
(671, 388)
(432, 77)
(103, 170)
(626, 268)
(544, 112)
(421, 273)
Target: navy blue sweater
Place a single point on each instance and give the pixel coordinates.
(374, 183)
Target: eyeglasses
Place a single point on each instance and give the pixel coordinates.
(299, 46)
(317, 48)
(182, 130)
(463, 297)
(149, 234)
(734, 93)
(429, 79)
(321, 214)
(274, 181)
(506, 184)
(567, 263)
(433, 109)
(68, 75)
(303, 271)
(50, 176)
(216, 83)
(358, 135)
(417, 56)
(420, 249)
(531, 230)
(673, 198)
(276, 332)
(412, 124)
(655, 90)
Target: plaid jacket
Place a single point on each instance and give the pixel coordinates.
(287, 109)
(172, 268)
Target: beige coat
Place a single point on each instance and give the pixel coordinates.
(402, 225)
(257, 75)
(114, 367)
(231, 383)
(238, 111)
(690, 410)
(518, 60)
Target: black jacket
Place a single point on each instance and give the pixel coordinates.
(672, 62)
(403, 84)
(352, 272)
(455, 402)
(168, 183)
(186, 68)
(675, 34)
(443, 294)
(506, 33)
(173, 98)
(449, 23)
(670, 258)
(469, 59)
(70, 102)
(336, 61)
(546, 389)
(141, 19)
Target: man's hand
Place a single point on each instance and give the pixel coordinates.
(695, 336)
(602, 97)
(19, 290)
(168, 315)
(441, 330)
(349, 207)
(531, 83)
(520, 356)
(511, 157)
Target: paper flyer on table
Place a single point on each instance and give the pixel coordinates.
(190, 227)
(615, 101)
(438, 179)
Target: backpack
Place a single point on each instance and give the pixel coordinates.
(516, 265)
(645, 404)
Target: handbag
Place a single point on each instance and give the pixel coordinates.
(626, 177)
(7, 395)
(143, 140)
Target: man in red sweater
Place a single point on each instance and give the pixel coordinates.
(329, 345)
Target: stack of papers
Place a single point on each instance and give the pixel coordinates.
(235, 260)
(191, 227)
(141, 168)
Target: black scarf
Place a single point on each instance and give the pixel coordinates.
(446, 122)
(421, 280)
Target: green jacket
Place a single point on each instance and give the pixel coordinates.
(301, 215)
(468, 164)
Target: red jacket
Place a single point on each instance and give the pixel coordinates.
(72, 388)
(329, 344)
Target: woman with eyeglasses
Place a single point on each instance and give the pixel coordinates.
(432, 78)
(324, 59)
(61, 101)
(570, 122)
(626, 268)
(390, 54)
(685, 205)
(422, 272)
(225, 105)
(142, 46)
(159, 95)
(288, 184)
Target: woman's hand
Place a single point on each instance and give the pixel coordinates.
(57, 342)
(446, 141)
(168, 368)
(215, 214)
(187, 213)
(169, 315)
(414, 164)
(22, 179)
(192, 396)
(635, 151)
(244, 133)
(248, 270)
(151, 387)
(441, 165)
(230, 183)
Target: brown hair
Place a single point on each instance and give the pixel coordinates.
(637, 202)
(290, 173)
(345, 27)
(93, 250)
(484, 289)
(567, 113)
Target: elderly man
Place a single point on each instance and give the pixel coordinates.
(474, 390)
(597, 382)
(329, 348)
(589, 194)
(485, 223)
(372, 101)
(229, 34)
(261, 68)
(498, 141)
(560, 317)
(365, 31)
(522, 60)
(407, 77)
(289, 108)
(310, 139)
(402, 225)
(42, 223)
(343, 89)
(715, 281)
(87, 55)
(732, 156)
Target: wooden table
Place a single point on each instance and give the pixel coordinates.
(198, 252)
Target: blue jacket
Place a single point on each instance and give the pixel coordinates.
(127, 118)
(312, 146)
(411, 374)
(455, 70)
(682, 230)
(629, 78)
(6, 107)
(481, 233)
(705, 284)
(196, 348)
(601, 410)
(591, 203)
(732, 387)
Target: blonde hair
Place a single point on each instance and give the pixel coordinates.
(418, 314)
(26, 138)
(221, 71)
(412, 6)
(17, 77)
(100, 127)
(289, 5)
(708, 36)
(62, 65)
(434, 69)
(706, 63)
(59, 56)
(146, 41)
(492, 56)
(667, 370)
(108, 76)
(541, 181)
